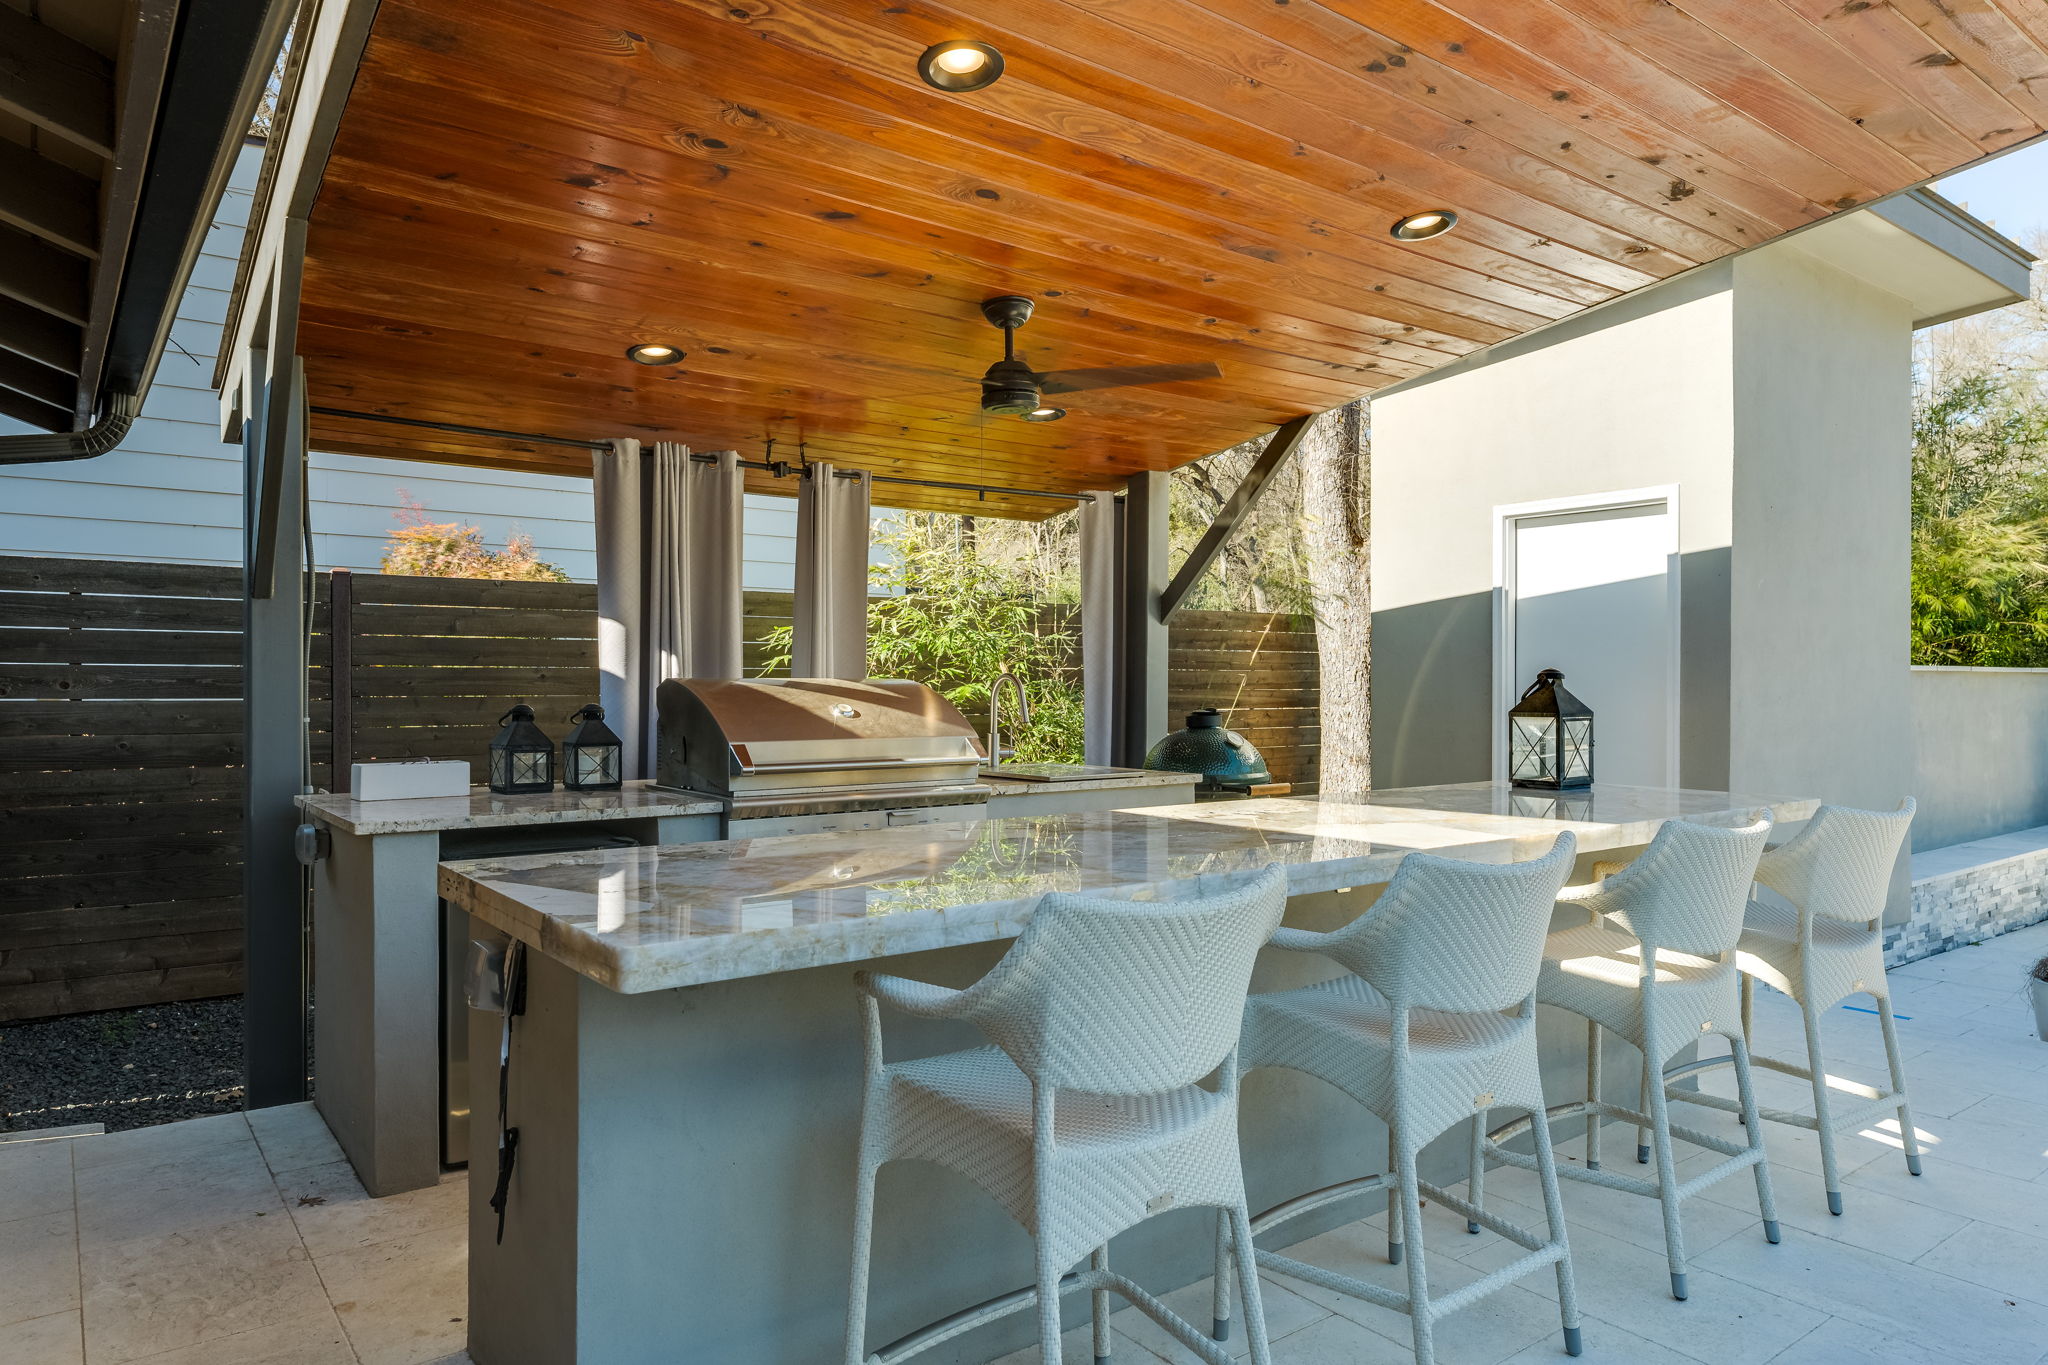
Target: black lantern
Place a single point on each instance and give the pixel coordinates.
(592, 757)
(522, 758)
(1550, 737)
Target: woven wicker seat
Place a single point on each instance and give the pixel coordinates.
(1435, 1025)
(1655, 963)
(1083, 1119)
(1814, 931)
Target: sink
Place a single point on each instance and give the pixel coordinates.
(1053, 772)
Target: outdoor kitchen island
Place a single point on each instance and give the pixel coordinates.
(685, 1078)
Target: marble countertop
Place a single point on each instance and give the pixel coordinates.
(1111, 781)
(647, 919)
(485, 809)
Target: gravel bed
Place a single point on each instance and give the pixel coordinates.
(125, 1068)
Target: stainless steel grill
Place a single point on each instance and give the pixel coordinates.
(792, 747)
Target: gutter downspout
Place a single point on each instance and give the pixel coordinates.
(99, 438)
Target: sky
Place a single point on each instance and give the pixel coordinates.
(2010, 193)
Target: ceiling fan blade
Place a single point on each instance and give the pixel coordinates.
(1123, 376)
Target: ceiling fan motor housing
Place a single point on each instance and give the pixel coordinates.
(1009, 387)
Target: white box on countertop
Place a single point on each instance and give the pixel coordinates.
(415, 778)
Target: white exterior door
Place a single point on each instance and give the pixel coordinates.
(1589, 587)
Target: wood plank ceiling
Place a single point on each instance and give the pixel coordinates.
(521, 189)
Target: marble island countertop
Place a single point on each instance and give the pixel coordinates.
(482, 808)
(647, 919)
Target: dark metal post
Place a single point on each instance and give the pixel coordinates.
(341, 658)
(274, 992)
(1141, 661)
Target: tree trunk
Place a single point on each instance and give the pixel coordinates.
(1336, 511)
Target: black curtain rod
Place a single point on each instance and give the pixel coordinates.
(778, 468)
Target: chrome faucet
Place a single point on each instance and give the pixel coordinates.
(996, 752)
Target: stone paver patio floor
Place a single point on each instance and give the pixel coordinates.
(240, 1240)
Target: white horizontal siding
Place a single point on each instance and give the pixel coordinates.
(173, 492)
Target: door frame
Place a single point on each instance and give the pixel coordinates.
(1506, 688)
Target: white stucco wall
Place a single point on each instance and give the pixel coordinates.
(1980, 752)
(1634, 396)
(1818, 610)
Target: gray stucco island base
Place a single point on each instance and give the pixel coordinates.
(686, 1076)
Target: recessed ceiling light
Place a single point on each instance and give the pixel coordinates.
(960, 66)
(1420, 227)
(1043, 414)
(653, 353)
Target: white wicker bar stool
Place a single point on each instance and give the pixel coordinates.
(1083, 1119)
(1816, 934)
(1655, 963)
(1434, 1024)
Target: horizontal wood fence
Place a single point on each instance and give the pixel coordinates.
(121, 739)
(120, 798)
(1260, 670)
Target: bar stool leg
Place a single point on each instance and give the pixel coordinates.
(1753, 1124)
(1240, 1219)
(1643, 1103)
(1592, 1095)
(863, 1249)
(1048, 1305)
(1748, 1008)
(1475, 1177)
(1219, 1327)
(1823, 1119)
(1553, 1209)
(1667, 1173)
(1100, 1307)
(1907, 1137)
(1407, 1191)
(1393, 1206)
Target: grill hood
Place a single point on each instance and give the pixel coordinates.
(792, 737)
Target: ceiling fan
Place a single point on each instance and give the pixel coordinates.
(1012, 388)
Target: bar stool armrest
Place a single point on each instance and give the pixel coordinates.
(1299, 940)
(918, 998)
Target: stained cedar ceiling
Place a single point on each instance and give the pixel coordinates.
(522, 189)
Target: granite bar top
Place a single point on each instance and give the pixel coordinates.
(648, 919)
(1111, 781)
(485, 809)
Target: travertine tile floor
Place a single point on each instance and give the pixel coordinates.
(233, 1241)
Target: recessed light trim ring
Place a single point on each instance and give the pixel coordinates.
(654, 353)
(1420, 227)
(960, 66)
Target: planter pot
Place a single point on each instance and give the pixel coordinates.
(2040, 990)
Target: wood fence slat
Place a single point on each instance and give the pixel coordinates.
(121, 991)
(102, 821)
(551, 713)
(123, 886)
(69, 610)
(154, 952)
(386, 590)
(92, 717)
(22, 862)
(110, 786)
(490, 622)
(23, 573)
(57, 753)
(217, 649)
(111, 923)
(374, 651)
(409, 680)
(179, 681)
